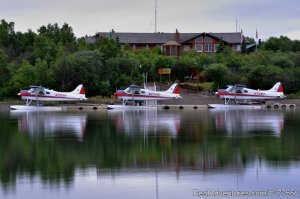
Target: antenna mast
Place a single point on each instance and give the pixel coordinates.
(155, 30)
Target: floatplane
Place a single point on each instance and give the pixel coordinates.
(49, 124)
(135, 97)
(245, 122)
(239, 94)
(41, 94)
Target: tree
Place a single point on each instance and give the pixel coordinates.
(24, 77)
(7, 38)
(4, 73)
(44, 75)
(24, 43)
(282, 60)
(7, 33)
(5, 76)
(283, 44)
(219, 73)
(291, 80)
(249, 40)
(85, 67)
(296, 46)
(263, 77)
(244, 46)
(108, 47)
(63, 35)
(221, 46)
(295, 58)
(44, 48)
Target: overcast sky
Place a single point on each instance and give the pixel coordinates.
(86, 17)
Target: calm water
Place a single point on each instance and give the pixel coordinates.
(149, 154)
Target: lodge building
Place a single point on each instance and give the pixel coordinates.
(174, 44)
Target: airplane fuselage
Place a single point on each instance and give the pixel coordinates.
(51, 96)
(43, 94)
(144, 95)
(250, 94)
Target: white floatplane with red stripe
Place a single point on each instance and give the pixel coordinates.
(239, 94)
(135, 97)
(40, 94)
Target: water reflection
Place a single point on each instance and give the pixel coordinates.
(145, 121)
(245, 122)
(51, 124)
(118, 151)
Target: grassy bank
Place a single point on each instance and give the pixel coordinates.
(294, 95)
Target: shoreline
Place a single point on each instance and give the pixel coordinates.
(187, 99)
(199, 99)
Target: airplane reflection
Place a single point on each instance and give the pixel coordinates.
(146, 121)
(51, 124)
(247, 121)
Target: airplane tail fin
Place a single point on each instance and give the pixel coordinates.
(174, 89)
(277, 88)
(80, 90)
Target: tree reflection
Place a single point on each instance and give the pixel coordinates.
(116, 141)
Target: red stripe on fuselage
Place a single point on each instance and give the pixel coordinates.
(43, 96)
(145, 96)
(245, 95)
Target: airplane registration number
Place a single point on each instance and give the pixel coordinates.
(154, 94)
(260, 94)
(60, 95)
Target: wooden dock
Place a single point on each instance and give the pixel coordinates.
(85, 107)
(182, 107)
(172, 107)
(279, 106)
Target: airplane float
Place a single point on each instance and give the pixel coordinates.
(41, 94)
(137, 96)
(240, 93)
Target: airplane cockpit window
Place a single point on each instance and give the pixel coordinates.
(41, 93)
(48, 93)
(230, 89)
(245, 91)
(134, 89)
(127, 90)
(143, 92)
(31, 90)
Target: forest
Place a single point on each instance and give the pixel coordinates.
(53, 57)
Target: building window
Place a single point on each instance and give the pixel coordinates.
(208, 40)
(208, 48)
(216, 47)
(199, 40)
(173, 50)
(199, 47)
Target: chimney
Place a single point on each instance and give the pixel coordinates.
(177, 36)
